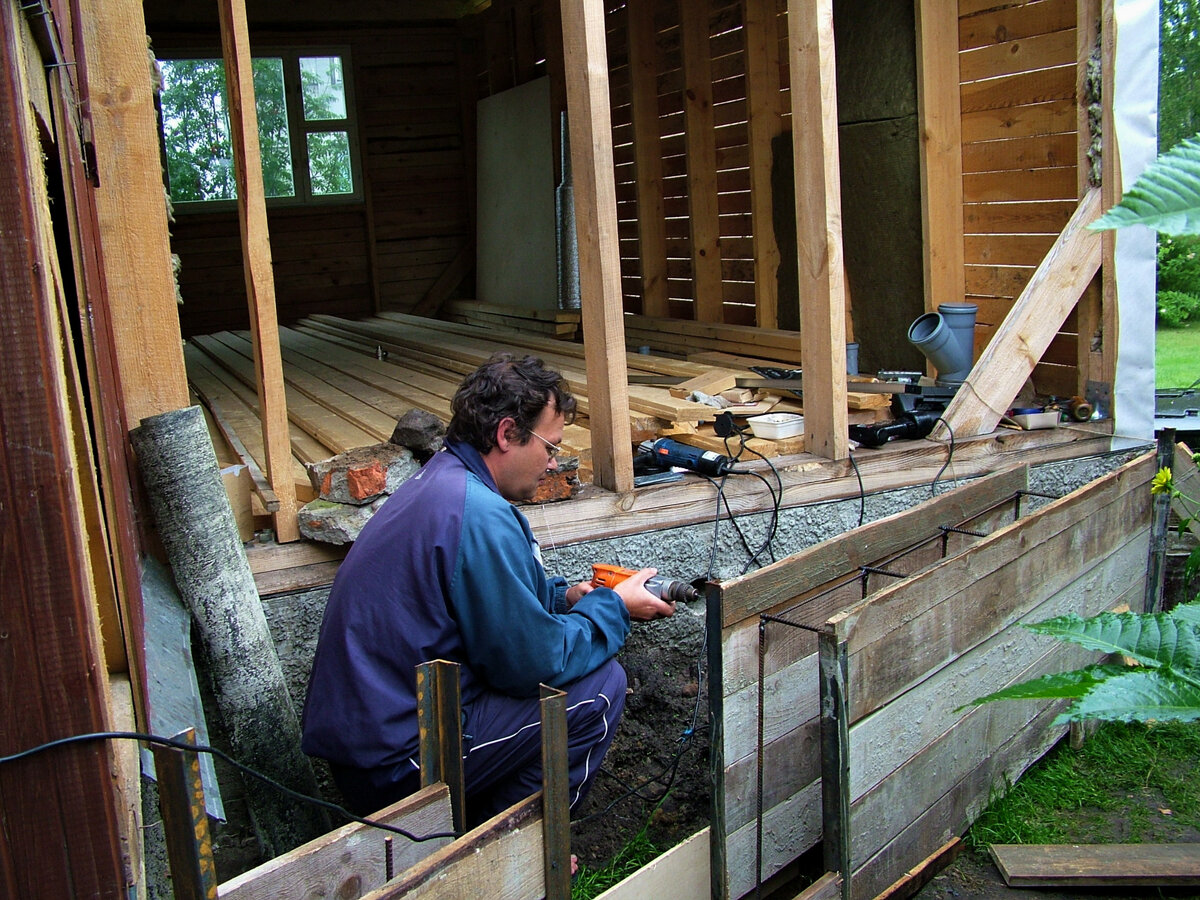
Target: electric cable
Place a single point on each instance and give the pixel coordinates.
(862, 491)
(242, 767)
(949, 457)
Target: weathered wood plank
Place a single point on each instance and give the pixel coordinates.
(1097, 865)
(780, 582)
(898, 635)
(350, 861)
(502, 858)
(952, 742)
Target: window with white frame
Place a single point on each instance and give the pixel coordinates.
(306, 130)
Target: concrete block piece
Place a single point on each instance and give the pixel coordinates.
(334, 523)
(362, 475)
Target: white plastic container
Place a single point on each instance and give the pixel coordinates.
(1034, 421)
(777, 426)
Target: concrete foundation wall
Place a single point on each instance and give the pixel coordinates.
(684, 553)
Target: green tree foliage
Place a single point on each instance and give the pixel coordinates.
(1179, 72)
(196, 129)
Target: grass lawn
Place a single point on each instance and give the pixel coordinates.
(1177, 356)
(1129, 783)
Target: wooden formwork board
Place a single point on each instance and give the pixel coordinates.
(353, 859)
(808, 588)
(920, 764)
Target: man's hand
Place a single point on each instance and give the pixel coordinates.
(576, 592)
(640, 602)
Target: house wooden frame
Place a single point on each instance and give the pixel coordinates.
(94, 328)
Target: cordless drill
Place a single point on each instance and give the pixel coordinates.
(604, 575)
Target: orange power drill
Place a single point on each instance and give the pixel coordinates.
(604, 575)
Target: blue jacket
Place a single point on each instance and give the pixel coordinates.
(446, 569)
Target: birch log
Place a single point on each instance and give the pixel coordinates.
(198, 531)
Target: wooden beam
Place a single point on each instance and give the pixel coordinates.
(941, 152)
(586, 62)
(704, 227)
(256, 257)
(647, 156)
(132, 211)
(1030, 325)
(764, 108)
(61, 835)
(507, 846)
(819, 225)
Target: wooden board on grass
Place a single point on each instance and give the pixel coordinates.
(1097, 865)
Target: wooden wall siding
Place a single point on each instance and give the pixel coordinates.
(350, 259)
(415, 157)
(692, 158)
(808, 588)
(1017, 65)
(920, 650)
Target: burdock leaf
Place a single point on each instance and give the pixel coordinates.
(1138, 695)
(1158, 639)
(1075, 684)
(1166, 197)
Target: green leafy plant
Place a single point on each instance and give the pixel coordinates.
(1166, 197)
(1160, 681)
(1178, 270)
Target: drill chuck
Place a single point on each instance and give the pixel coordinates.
(671, 590)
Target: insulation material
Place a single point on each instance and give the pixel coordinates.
(1135, 113)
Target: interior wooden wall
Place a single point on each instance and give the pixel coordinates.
(1018, 65)
(384, 252)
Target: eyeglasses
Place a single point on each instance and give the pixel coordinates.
(552, 450)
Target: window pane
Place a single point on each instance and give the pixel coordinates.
(329, 163)
(270, 101)
(196, 130)
(322, 87)
(195, 121)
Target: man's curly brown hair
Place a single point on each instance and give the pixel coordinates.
(506, 386)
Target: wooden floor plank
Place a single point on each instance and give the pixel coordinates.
(1097, 865)
(242, 416)
(327, 427)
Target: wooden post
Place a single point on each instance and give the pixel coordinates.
(556, 800)
(256, 253)
(938, 103)
(1088, 312)
(590, 120)
(764, 122)
(719, 877)
(819, 226)
(439, 718)
(704, 227)
(647, 157)
(835, 757)
(185, 823)
(132, 211)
